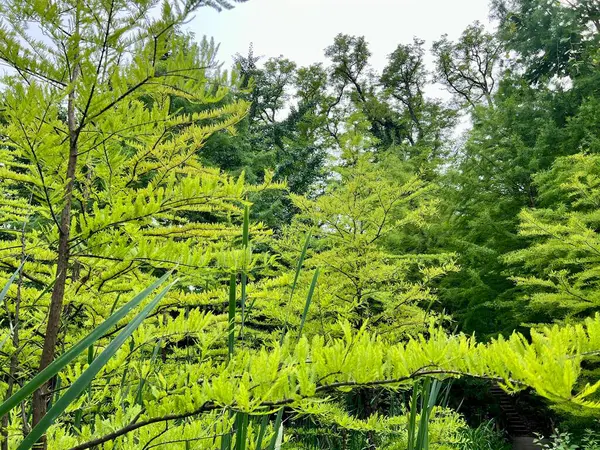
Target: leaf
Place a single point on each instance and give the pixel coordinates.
(9, 282)
(276, 440)
(231, 316)
(261, 433)
(311, 291)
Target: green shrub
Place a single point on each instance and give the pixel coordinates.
(565, 441)
(484, 437)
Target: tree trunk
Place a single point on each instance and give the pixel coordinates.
(41, 396)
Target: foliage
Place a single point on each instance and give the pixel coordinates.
(564, 441)
(467, 68)
(560, 266)
(325, 227)
(484, 437)
(281, 133)
(355, 223)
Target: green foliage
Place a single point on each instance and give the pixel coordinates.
(356, 224)
(564, 441)
(322, 231)
(484, 437)
(281, 133)
(561, 262)
(526, 128)
(467, 68)
(551, 38)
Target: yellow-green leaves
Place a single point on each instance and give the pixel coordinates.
(562, 261)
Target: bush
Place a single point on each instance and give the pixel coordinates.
(565, 441)
(484, 437)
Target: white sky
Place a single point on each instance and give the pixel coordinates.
(301, 29)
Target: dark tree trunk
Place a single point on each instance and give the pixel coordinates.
(41, 396)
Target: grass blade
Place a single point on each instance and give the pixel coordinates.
(311, 291)
(412, 418)
(421, 435)
(296, 276)
(226, 437)
(231, 317)
(300, 262)
(81, 383)
(139, 397)
(274, 439)
(10, 282)
(245, 242)
(74, 351)
(261, 433)
(242, 431)
(246, 227)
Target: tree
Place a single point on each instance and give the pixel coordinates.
(127, 153)
(468, 67)
(90, 132)
(559, 267)
(282, 133)
(360, 230)
(552, 39)
(354, 89)
(403, 120)
(492, 180)
(426, 122)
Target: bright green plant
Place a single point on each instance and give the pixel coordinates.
(88, 375)
(358, 228)
(100, 173)
(103, 192)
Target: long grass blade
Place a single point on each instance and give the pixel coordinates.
(74, 351)
(10, 281)
(412, 418)
(300, 263)
(275, 437)
(309, 297)
(296, 276)
(261, 432)
(242, 431)
(245, 243)
(88, 375)
(231, 316)
(421, 443)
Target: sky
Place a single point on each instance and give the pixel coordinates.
(301, 29)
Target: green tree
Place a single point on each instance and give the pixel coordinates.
(527, 127)
(468, 67)
(108, 170)
(560, 267)
(426, 122)
(360, 227)
(551, 38)
(282, 133)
